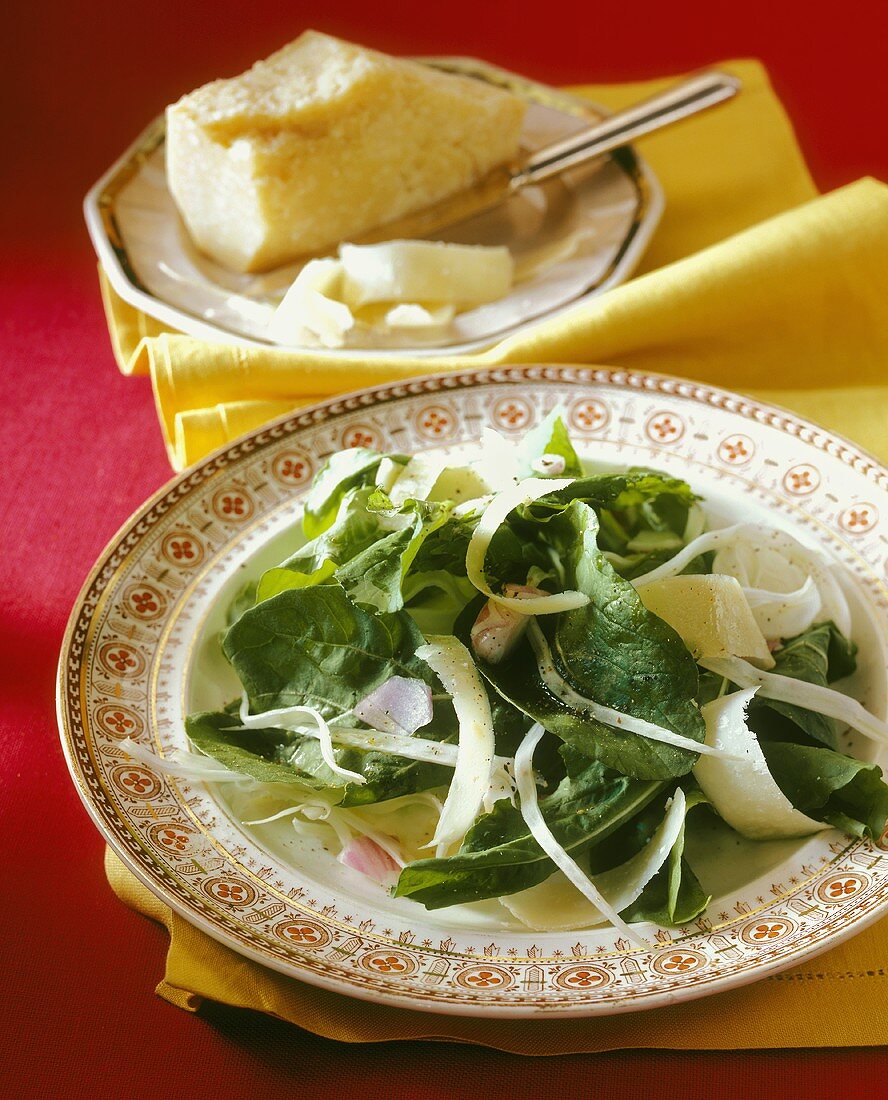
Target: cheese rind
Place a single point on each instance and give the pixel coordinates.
(324, 141)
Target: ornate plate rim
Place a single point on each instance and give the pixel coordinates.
(650, 382)
(114, 260)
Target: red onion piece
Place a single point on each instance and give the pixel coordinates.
(400, 705)
(366, 856)
(498, 629)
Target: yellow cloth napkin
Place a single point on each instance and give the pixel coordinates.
(792, 311)
(752, 282)
(794, 305)
(837, 1000)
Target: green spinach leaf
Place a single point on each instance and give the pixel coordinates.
(612, 650)
(615, 651)
(257, 753)
(820, 655)
(499, 855)
(279, 756)
(353, 530)
(549, 437)
(346, 470)
(828, 786)
(445, 548)
(313, 646)
(642, 516)
(374, 578)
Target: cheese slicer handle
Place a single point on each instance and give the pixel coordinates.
(676, 103)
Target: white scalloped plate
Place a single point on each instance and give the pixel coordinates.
(140, 651)
(577, 235)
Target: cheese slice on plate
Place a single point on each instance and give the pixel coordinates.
(425, 271)
(324, 141)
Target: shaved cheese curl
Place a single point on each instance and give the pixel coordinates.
(493, 516)
(311, 303)
(418, 478)
(785, 614)
(711, 614)
(499, 463)
(833, 603)
(784, 599)
(743, 791)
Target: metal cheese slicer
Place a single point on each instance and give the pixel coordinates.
(679, 102)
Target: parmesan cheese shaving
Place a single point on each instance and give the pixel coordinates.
(311, 304)
(408, 285)
(499, 462)
(417, 315)
(833, 603)
(710, 614)
(743, 791)
(784, 614)
(425, 271)
(388, 473)
(784, 599)
(462, 484)
(418, 477)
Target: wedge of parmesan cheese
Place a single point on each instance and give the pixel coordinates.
(409, 316)
(323, 141)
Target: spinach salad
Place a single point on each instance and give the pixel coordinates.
(514, 679)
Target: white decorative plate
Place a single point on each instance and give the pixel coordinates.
(576, 236)
(141, 650)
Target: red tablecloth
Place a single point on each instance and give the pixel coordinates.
(80, 450)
